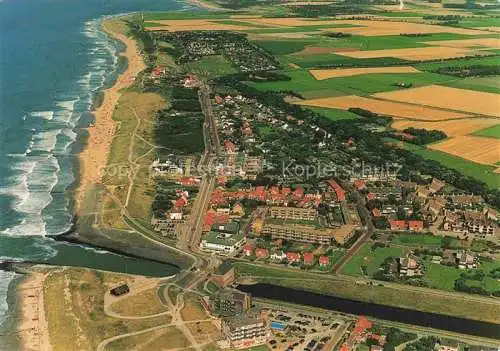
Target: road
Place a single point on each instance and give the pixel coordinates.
(365, 215)
(191, 234)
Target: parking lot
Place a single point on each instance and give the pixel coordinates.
(293, 330)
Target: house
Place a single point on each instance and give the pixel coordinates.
(120, 290)
(478, 224)
(189, 181)
(337, 189)
(230, 147)
(298, 193)
(422, 192)
(248, 249)
(360, 184)
(398, 225)
(238, 210)
(224, 275)
(292, 257)
(308, 258)
(409, 266)
(158, 72)
(261, 252)
(324, 261)
(416, 226)
(466, 260)
(453, 222)
(436, 185)
(278, 256)
(376, 212)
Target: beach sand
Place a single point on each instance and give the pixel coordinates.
(94, 157)
(33, 326)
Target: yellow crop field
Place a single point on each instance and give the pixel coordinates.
(477, 149)
(389, 108)
(412, 54)
(489, 43)
(449, 98)
(321, 74)
(452, 128)
(377, 28)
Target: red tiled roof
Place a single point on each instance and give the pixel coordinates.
(376, 212)
(181, 202)
(359, 184)
(324, 260)
(416, 225)
(247, 248)
(398, 225)
(338, 189)
(261, 252)
(308, 257)
(298, 193)
(292, 256)
(229, 146)
(370, 196)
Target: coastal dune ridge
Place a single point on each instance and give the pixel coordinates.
(95, 154)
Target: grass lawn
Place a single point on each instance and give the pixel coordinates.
(305, 84)
(422, 240)
(244, 269)
(145, 303)
(480, 172)
(211, 67)
(441, 277)
(372, 260)
(491, 132)
(161, 339)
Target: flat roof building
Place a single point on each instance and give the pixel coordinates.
(245, 331)
(309, 234)
(298, 213)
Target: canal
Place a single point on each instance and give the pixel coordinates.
(395, 314)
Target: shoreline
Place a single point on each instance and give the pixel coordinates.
(93, 157)
(32, 325)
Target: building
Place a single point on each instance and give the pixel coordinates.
(339, 191)
(261, 252)
(244, 331)
(248, 249)
(120, 290)
(230, 302)
(324, 261)
(297, 213)
(308, 258)
(466, 260)
(409, 267)
(478, 224)
(309, 234)
(398, 225)
(293, 257)
(222, 243)
(224, 275)
(436, 185)
(415, 226)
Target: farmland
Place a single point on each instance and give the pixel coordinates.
(473, 148)
(491, 132)
(448, 98)
(389, 108)
(455, 127)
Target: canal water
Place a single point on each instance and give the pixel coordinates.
(395, 314)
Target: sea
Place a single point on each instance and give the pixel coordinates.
(54, 60)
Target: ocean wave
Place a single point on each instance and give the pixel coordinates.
(36, 172)
(47, 115)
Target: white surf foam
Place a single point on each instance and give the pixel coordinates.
(47, 115)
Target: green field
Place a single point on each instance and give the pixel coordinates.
(474, 170)
(372, 260)
(441, 277)
(491, 132)
(486, 84)
(483, 61)
(306, 85)
(334, 114)
(211, 67)
(417, 240)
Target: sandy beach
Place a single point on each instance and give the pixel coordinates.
(33, 327)
(95, 155)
